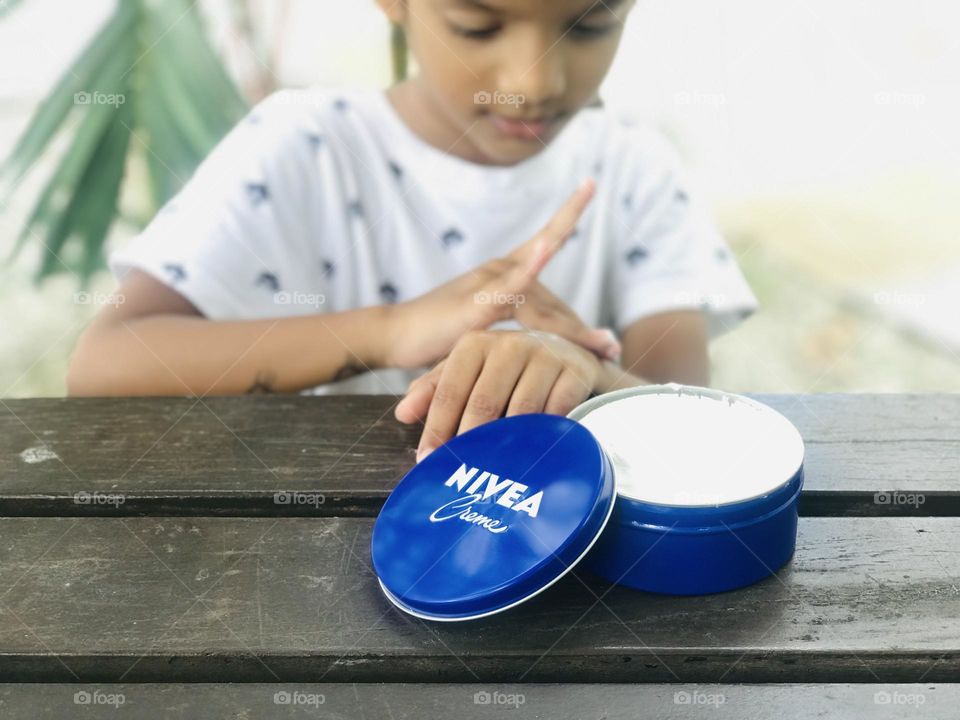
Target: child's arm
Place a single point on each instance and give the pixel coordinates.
(668, 347)
(157, 343)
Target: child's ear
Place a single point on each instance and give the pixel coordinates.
(395, 10)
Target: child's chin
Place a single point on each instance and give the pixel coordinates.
(510, 152)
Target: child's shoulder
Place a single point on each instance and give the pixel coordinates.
(289, 127)
(304, 120)
(312, 106)
(630, 147)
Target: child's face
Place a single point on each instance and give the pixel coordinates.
(506, 75)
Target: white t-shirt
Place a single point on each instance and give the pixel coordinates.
(322, 201)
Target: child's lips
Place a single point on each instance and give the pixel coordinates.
(524, 128)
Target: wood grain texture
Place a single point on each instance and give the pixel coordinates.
(469, 701)
(873, 600)
(233, 455)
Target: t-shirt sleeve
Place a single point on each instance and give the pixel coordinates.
(239, 237)
(669, 254)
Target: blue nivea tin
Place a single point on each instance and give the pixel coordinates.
(708, 488)
(492, 517)
(667, 488)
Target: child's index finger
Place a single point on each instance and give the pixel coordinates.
(537, 251)
(562, 224)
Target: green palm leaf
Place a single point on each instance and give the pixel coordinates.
(7, 5)
(147, 85)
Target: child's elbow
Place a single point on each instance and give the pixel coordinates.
(87, 375)
(80, 381)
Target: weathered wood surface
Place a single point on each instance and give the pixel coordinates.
(873, 600)
(233, 455)
(468, 701)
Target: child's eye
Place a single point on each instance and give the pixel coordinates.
(475, 33)
(591, 31)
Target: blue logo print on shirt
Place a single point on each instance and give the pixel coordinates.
(388, 292)
(635, 255)
(175, 271)
(355, 208)
(268, 280)
(257, 193)
(451, 237)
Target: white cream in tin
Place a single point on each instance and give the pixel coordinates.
(691, 446)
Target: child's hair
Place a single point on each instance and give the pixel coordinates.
(398, 53)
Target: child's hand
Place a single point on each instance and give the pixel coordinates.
(491, 373)
(424, 330)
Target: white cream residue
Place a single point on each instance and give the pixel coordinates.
(687, 448)
(38, 454)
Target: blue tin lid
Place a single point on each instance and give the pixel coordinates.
(492, 517)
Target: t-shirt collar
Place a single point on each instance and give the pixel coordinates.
(533, 176)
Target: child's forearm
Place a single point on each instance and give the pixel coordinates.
(184, 355)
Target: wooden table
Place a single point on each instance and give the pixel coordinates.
(155, 551)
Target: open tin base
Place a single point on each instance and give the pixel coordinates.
(691, 560)
(688, 546)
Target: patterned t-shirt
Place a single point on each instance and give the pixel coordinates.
(322, 201)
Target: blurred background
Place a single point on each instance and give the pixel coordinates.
(825, 135)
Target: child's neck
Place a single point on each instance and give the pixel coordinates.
(426, 119)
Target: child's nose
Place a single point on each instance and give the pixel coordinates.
(534, 71)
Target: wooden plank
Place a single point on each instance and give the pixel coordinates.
(294, 600)
(239, 455)
(469, 701)
(227, 455)
(877, 417)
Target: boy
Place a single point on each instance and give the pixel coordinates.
(377, 233)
